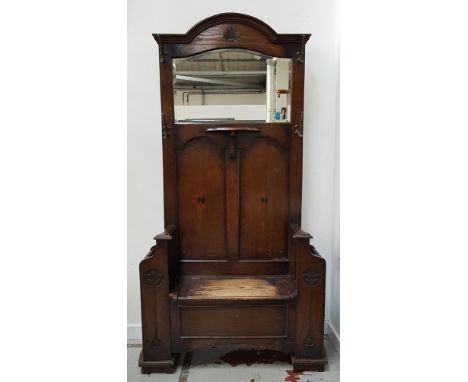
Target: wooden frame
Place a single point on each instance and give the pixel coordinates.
(173, 322)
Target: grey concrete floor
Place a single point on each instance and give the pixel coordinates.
(208, 365)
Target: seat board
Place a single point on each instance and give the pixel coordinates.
(237, 288)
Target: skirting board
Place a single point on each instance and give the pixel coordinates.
(334, 337)
(134, 333)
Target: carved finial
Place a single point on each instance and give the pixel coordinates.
(231, 33)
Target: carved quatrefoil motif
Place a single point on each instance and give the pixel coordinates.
(311, 278)
(231, 33)
(153, 277)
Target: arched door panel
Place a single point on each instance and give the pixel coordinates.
(264, 200)
(201, 176)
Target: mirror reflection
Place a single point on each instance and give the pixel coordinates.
(232, 85)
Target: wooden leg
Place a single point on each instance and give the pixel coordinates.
(164, 366)
(309, 364)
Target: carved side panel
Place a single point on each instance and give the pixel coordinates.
(154, 286)
(311, 300)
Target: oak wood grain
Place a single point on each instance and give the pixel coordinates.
(233, 266)
(237, 288)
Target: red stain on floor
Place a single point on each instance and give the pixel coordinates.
(292, 376)
(249, 357)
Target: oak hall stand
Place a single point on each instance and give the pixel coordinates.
(233, 266)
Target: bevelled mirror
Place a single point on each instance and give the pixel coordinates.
(232, 85)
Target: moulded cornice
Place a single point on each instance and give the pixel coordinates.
(231, 18)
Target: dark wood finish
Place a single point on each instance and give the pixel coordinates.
(264, 191)
(233, 267)
(310, 279)
(307, 364)
(166, 366)
(201, 200)
(154, 289)
(265, 321)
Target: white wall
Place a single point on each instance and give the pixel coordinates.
(334, 264)
(145, 193)
(221, 99)
(239, 112)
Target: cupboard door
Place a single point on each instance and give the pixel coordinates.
(201, 174)
(264, 200)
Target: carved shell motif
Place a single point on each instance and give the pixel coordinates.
(231, 33)
(153, 277)
(311, 278)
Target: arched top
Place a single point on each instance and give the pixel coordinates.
(230, 34)
(201, 139)
(267, 139)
